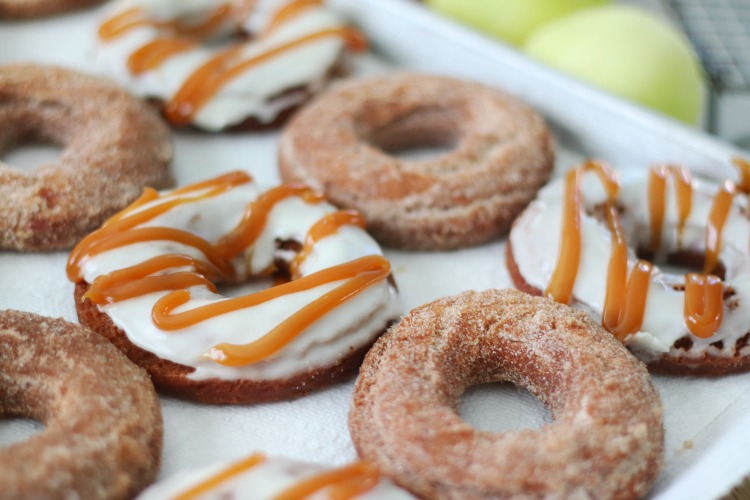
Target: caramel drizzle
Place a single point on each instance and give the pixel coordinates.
(141, 279)
(222, 476)
(704, 304)
(625, 300)
(324, 227)
(289, 11)
(255, 216)
(743, 168)
(212, 76)
(359, 275)
(136, 17)
(115, 232)
(657, 186)
(208, 79)
(716, 220)
(153, 54)
(135, 281)
(343, 483)
(560, 286)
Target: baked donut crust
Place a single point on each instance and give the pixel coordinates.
(501, 154)
(27, 9)
(103, 426)
(607, 437)
(172, 378)
(113, 146)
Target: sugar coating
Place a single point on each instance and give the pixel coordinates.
(113, 146)
(501, 154)
(607, 437)
(103, 425)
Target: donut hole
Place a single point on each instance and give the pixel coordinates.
(285, 251)
(422, 134)
(16, 430)
(28, 156)
(677, 263)
(682, 263)
(502, 406)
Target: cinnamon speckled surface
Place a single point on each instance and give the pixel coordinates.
(501, 154)
(607, 437)
(113, 146)
(103, 425)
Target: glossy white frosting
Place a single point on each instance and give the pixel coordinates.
(262, 482)
(253, 93)
(535, 239)
(349, 326)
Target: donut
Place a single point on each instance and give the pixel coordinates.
(607, 437)
(343, 144)
(185, 56)
(147, 280)
(26, 9)
(616, 230)
(277, 478)
(112, 144)
(102, 434)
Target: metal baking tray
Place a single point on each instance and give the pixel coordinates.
(707, 420)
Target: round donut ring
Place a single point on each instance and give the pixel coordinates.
(501, 154)
(606, 440)
(103, 427)
(664, 216)
(147, 281)
(112, 143)
(26, 9)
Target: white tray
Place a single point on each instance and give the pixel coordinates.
(711, 415)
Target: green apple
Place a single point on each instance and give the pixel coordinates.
(628, 51)
(509, 20)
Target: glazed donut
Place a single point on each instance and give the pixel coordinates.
(146, 280)
(103, 427)
(25, 9)
(275, 478)
(168, 51)
(113, 145)
(607, 437)
(341, 144)
(697, 323)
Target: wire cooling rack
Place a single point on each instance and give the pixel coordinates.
(720, 32)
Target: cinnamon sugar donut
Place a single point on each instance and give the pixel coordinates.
(25, 9)
(606, 440)
(112, 144)
(103, 428)
(627, 226)
(225, 64)
(501, 154)
(147, 280)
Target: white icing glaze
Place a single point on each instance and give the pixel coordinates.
(535, 239)
(348, 326)
(265, 481)
(253, 93)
